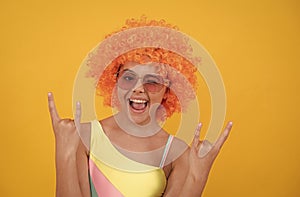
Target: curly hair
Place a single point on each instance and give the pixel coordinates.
(180, 71)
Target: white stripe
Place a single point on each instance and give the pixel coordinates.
(163, 159)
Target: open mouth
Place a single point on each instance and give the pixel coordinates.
(138, 105)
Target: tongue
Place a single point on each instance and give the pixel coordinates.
(138, 106)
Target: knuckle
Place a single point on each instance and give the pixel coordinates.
(215, 150)
(67, 123)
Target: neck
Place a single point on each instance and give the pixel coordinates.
(139, 130)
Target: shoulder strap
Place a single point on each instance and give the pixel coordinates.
(167, 148)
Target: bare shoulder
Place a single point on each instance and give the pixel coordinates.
(109, 121)
(82, 158)
(178, 157)
(180, 166)
(178, 151)
(85, 136)
(108, 124)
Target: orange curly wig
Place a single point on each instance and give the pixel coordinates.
(180, 72)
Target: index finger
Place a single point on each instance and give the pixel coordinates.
(219, 143)
(52, 109)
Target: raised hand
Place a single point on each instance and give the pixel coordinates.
(66, 135)
(203, 154)
(71, 160)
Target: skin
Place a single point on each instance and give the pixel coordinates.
(138, 92)
(186, 176)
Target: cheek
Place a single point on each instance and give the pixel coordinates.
(158, 98)
(118, 98)
(122, 95)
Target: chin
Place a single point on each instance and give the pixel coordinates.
(140, 119)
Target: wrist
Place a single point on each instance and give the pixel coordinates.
(197, 178)
(63, 152)
(194, 185)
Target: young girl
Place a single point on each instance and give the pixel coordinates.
(129, 153)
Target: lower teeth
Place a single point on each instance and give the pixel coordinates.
(138, 106)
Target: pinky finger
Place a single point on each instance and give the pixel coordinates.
(78, 116)
(197, 135)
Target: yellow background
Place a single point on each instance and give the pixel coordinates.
(255, 44)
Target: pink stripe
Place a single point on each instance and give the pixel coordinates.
(104, 187)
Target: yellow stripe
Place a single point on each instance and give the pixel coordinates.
(134, 184)
(103, 150)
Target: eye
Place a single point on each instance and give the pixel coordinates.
(153, 80)
(128, 77)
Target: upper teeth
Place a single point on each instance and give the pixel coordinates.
(138, 101)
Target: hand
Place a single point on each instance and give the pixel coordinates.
(66, 135)
(203, 154)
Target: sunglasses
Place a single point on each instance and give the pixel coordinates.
(127, 79)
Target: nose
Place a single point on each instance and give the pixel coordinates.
(138, 88)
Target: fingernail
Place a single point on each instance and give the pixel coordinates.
(197, 131)
(49, 93)
(199, 126)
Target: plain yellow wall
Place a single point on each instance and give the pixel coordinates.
(255, 44)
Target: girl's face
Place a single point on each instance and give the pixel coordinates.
(141, 90)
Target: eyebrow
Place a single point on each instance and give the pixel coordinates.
(128, 70)
(150, 74)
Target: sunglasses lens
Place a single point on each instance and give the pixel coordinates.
(127, 80)
(152, 83)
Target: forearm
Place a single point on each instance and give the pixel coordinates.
(193, 187)
(67, 182)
